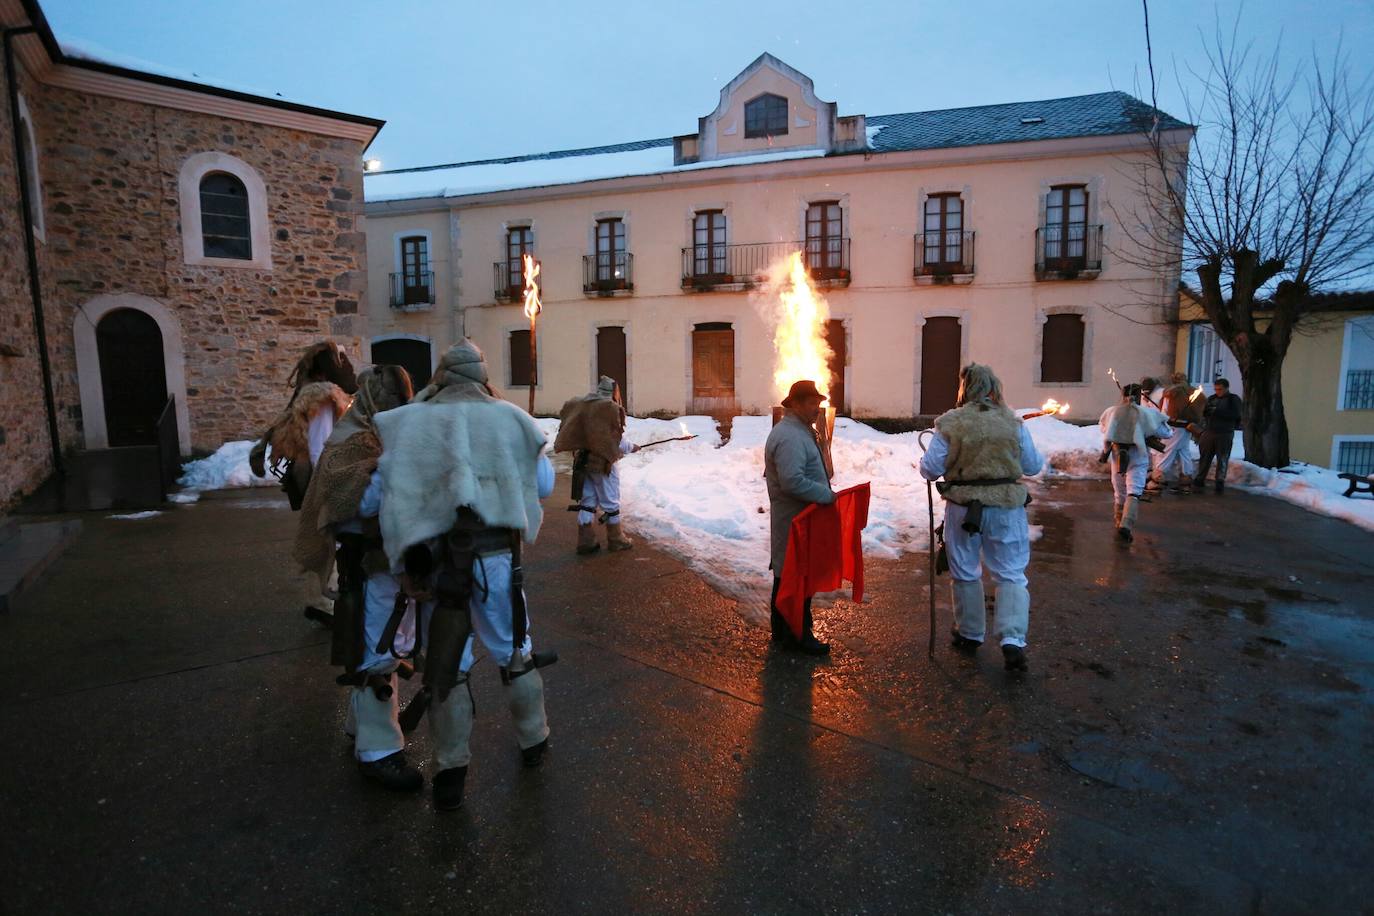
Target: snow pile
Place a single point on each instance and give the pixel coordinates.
(1068, 450)
(227, 468)
(1315, 489)
(138, 516)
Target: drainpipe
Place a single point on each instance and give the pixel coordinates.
(30, 247)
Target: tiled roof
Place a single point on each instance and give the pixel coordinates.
(1099, 115)
(1102, 114)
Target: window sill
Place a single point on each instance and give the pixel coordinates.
(412, 307)
(610, 292)
(951, 279)
(230, 263)
(1085, 274)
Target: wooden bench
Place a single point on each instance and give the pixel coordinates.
(1358, 484)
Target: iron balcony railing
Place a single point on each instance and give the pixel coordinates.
(607, 272)
(944, 253)
(1359, 389)
(412, 288)
(711, 266)
(508, 280)
(1067, 250)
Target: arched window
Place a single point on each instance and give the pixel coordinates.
(765, 116)
(28, 162)
(225, 228)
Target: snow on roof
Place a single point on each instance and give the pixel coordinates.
(546, 170)
(81, 49)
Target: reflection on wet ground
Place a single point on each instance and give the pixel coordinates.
(1193, 735)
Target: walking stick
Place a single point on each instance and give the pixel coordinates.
(930, 513)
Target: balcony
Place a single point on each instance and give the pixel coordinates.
(1359, 389)
(742, 267)
(412, 292)
(508, 281)
(608, 273)
(944, 257)
(1072, 252)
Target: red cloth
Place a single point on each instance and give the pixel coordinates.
(824, 547)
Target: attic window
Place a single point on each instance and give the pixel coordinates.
(1034, 120)
(765, 116)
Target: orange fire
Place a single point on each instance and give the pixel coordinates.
(1197, 393)
(799, 337)
(532, 303)
(1053, 407)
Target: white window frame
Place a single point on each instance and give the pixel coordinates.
(195, 168)
(397, 263)
(1338, 441)
(1346, 344)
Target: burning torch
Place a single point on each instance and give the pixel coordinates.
(1050, 408)
(532, 309)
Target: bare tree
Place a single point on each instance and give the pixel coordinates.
(1274, 203)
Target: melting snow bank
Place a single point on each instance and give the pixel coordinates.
(227, 468)
(709, 505)
(1314, 488)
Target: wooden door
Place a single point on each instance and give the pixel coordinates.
(940, 349)
(611, 359)
(839, 356)
(713, 369)
(132, 376)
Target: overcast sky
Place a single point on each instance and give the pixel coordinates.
(458, 81)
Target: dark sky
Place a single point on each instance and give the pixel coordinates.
(461, 81)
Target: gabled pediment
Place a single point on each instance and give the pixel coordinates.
(770, 106)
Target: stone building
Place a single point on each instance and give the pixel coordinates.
(171, 241)
(993, 233)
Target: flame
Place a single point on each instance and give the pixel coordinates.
(1195, 395)
(1112, 373)
(1052, 407)
(532, 304)
(682, 426)
(799, 338)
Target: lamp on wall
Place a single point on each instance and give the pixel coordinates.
(372, 165)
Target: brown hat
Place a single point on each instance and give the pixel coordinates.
(804, 388)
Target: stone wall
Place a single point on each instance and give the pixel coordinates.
(110, 172)
(25, 452)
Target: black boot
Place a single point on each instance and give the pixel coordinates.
(533, 756)
(1014, 658)
(963, 643)
(323, 618)
(781, 632)
(1221, 487)
(809, 644)
(448, 788)
(1124, 535)
(393, 773)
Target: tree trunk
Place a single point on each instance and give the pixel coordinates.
(1266, 427)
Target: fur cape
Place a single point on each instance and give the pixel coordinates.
(336, 488)
(461, 448)
(984, 444)
(594, 424)
(289, 436)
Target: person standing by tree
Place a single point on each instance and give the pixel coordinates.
(1221, 418)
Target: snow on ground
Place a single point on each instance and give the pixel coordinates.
(1314, 488)
(138, 516)
(708, 504)
(226, 469)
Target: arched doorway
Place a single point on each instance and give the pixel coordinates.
(411, 355)
(133, 377)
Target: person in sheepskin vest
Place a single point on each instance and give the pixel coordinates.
(340, 509)
(462, 475)
(1125, 429)
(593, 427)
(324, 382)
(982, 450)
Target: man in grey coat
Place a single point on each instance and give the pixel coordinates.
(795, 472)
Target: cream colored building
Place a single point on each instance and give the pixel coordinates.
(939, 237)
(1328, 377)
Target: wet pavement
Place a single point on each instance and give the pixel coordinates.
(1194, 735)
